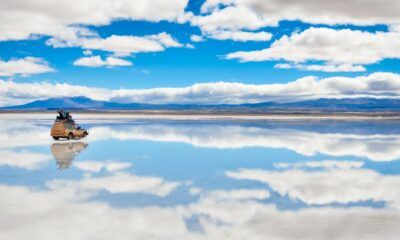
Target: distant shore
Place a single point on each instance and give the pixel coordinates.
(212, 115)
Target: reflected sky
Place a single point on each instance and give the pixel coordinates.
(166, 179)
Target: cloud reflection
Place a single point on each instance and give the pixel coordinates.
(97, 166)
(23, 159)
(55, 217)
(359, 142)
(376, 147)
(329, 186)
(116, 183)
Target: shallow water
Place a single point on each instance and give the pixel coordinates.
(166, 179)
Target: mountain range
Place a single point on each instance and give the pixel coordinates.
(323, 104)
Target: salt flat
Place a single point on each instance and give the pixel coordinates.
(200, 179)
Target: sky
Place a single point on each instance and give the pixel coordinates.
(195, 51)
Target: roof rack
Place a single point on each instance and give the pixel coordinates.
(65, 120)
(64, 116)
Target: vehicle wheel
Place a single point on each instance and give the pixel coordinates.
(56, 138)
(70, 136)
(84, 135)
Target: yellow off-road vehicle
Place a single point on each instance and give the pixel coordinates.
(67, 130)
(65, 127)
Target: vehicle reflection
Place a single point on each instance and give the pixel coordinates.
(65, 153)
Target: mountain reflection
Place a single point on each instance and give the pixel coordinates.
(65, 153)
(359, 142)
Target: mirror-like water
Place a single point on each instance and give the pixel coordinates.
(165, 179)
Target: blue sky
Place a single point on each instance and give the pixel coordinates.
(331, 41)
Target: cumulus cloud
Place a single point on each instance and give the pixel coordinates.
(240, 36)
(196, 38)
(24, 67)
(232, 18)
(254, 14)
(376, 85)
(97, 61)
(23, 19)
(119, 45)
(322, 68)
(87, 53)
(17, 93)
(340, 49)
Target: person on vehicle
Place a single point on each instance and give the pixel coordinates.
(60, 114)
(64, 115)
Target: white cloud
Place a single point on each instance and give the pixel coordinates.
(164, 39)
(190, 46)
(376, 85)
(322, 68)
(196, 38)
(331, 186)
(21, 19)
(12, 93)
(394, 28)
(232, 18)
(24, 67)
(240, 36)
(120, 45)
(254, 14)
(340, 48)
(87, 53)
(96, 61)
(97, 166)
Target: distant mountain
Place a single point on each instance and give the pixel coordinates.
(323, 104)
(64, 102)
(347, 104)
(77, 103)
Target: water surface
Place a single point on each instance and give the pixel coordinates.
(166, 179)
